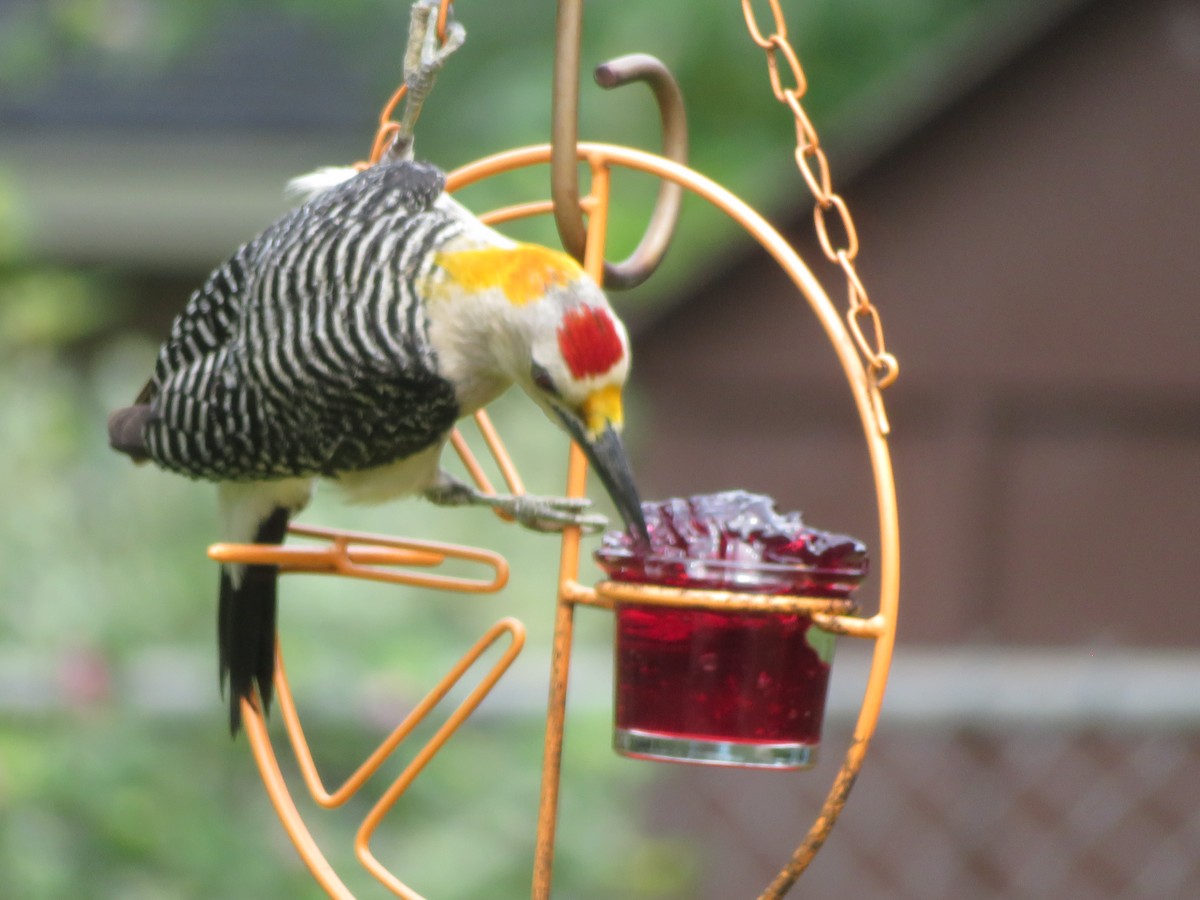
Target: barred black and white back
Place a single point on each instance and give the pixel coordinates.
(344, 342)
(307, 353)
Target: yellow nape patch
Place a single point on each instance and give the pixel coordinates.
(524, 273)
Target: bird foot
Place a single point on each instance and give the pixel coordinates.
(537, 513)
(549, 514)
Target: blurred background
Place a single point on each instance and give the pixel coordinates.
(1024, 178)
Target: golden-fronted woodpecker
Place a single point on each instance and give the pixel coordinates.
(343, 343)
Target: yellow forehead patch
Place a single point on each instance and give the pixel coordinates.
(524, 273)
(603, 408)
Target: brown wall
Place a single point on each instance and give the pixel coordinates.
(1035, 254)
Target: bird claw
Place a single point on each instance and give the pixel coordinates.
(551, 514)
(537, 513)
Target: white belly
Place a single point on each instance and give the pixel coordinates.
(399, 479)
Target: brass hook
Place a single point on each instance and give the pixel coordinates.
(653, 246)
(564, 174)
(564, 128)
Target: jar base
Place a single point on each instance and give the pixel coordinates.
(699, 751)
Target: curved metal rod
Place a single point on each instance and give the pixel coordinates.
(653, 247)
(881, 627)
(564, 128)
(564, 131)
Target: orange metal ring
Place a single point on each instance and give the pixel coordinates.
(851, 249)
(609, 593)
(752, 22)
(819, 182)
(443, 15)
(881, 627)
(370, 556)
(872, 313)
(277, 790)
(778, 44)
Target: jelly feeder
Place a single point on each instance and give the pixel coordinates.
(735, 672)
(725, 622)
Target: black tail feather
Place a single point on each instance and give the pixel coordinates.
(246, 626)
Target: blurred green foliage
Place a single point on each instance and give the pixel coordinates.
(116, 776)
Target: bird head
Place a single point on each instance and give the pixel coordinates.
(565, 348)
(577, 371)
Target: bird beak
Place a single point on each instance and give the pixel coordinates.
(606, 453)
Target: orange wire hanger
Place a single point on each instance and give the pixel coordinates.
(582, 223)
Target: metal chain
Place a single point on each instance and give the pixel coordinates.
(789, 84)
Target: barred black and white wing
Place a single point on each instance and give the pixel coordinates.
(307, 353)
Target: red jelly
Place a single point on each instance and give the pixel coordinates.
(725, 688)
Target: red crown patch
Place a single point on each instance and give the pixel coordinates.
(589, 341)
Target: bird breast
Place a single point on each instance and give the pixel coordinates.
(402, 478)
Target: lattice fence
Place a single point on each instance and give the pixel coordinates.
(1075, 809)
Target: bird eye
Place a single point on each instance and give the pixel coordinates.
(542, 379)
